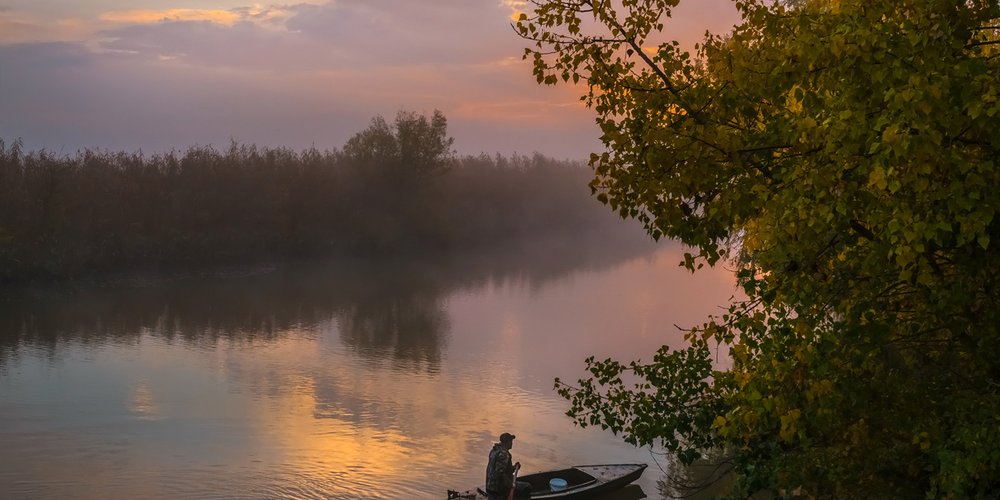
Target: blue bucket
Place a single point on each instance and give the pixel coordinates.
(557, 484)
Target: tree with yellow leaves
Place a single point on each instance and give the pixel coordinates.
(843, 155)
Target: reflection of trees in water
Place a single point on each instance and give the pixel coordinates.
(195, 313)
(405, 328)
(386, 310)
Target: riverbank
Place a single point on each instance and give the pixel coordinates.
(114, 216)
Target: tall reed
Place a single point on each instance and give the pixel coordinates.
(96, 212)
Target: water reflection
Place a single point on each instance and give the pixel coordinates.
(337, 380)
(143, 402)
(390, 310)
(396, 319)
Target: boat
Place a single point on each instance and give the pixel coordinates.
(581, 481)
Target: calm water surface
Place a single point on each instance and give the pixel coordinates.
(349, 381)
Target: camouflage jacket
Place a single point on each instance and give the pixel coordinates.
(499, 470)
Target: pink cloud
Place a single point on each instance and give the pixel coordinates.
(295, 75)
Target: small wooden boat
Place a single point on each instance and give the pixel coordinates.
(582, 481)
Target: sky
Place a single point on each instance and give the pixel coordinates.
(161, 75)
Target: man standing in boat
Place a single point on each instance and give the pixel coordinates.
(500, 471)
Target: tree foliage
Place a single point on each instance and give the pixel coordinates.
(394, 183)
(408, 153)
(842, 154)
(394, 190)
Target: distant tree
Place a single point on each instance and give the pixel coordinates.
(412, 151)
(394, 189)
(424, 144)
(373, 145)
(395, 171)
(843, 155)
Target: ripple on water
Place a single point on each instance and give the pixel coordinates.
(317, 481)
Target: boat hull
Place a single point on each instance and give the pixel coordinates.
(583, 481)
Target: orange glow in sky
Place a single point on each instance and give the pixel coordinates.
(172, 74)
(156, 16)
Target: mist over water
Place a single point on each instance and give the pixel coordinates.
(350, 379)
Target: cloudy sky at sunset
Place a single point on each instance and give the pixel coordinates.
(167, 74)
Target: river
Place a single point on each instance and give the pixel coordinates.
(349, 380)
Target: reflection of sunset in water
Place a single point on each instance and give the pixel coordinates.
(143, 402)
(355, 435)
(396, 394)
(506, 346)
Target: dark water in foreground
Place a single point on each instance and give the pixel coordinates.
(350, 381)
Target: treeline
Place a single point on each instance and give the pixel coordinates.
(393, 189)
